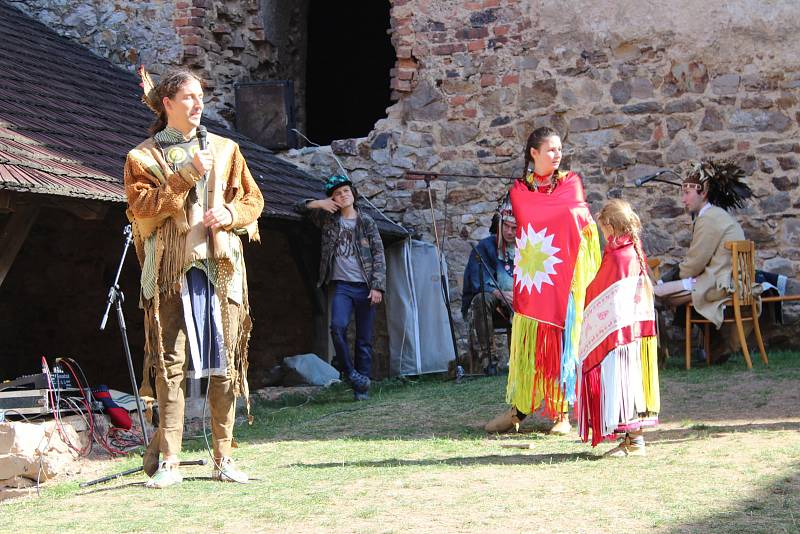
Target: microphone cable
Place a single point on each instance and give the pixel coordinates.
(202, 140)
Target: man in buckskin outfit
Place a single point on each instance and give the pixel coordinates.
(188, 208)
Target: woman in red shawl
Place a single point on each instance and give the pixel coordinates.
(558, 253)
(618, 388)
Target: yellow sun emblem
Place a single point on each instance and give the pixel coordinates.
(536, 259)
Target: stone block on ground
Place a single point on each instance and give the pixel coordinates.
(37, 450)
(308, 369)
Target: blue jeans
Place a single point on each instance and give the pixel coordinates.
(349, 297)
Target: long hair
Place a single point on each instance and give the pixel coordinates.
(620, 217)
(535, 140)
(168, 86)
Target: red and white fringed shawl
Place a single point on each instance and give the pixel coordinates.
(618, 377)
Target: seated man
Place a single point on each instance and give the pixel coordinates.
(489, 284)
(704, 275)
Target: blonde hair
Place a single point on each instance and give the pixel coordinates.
(622, 220)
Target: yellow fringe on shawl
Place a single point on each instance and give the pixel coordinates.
(586, 266)
(522, 370)
(652, 397)
(522, 363)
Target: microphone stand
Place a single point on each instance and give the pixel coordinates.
(116, 297)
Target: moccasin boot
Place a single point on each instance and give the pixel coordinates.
(562, 427)
(150, 459)
(505, 422)
(626, 448)
(225, 471)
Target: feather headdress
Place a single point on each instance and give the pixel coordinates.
(149, 94)
(722, 179)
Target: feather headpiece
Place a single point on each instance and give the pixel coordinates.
(149, 94)
(722, 179)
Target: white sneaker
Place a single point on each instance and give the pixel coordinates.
(226, 471)
(166, 475)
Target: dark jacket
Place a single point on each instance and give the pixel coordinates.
(487, 248)
(370, 246)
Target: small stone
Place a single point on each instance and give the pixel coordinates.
(458, 133)
(685, 105)
(776, 203)
(778, 148)
(787, 162)
(381, 157)
(618, 160)
(620, 92)
(657, 242)
(712, 120)
(382, 140)
(647, 157)
(637, 131)
(528, 62)
(747, 162)
(726, 84)
(641, 88)
(458, 197)
(345, 146)
(791, 230)
(683, 149)
(596, 139)
(675, 125)
(583, 124)
(642, 107)
(756, 102)
(691, 77)
(779, 265)
(500, 121)
(719, 146)
(425, 103)
(482, 18)
(759, 121)
(540, 94)
(761, 232)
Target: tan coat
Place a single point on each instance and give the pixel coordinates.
(157, 204)
(710, 262)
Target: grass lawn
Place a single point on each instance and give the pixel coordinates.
(726, 458)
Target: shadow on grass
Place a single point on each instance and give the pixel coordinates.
(491, 459)
(701, 431)
(772, 508)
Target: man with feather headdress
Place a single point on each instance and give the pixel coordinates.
(709, 191)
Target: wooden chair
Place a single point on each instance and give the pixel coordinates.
(742, 299)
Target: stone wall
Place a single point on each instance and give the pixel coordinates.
(223, 41)
(634, 87)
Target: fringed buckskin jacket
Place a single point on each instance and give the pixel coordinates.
(169, 238)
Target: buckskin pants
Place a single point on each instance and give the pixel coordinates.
(170, 391)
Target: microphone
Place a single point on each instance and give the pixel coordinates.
(202, 134)
(644, 179)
